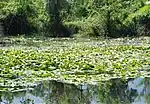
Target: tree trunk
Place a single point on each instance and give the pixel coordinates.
(54, 13)
(1, 29)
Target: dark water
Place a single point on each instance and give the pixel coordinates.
(134, 91)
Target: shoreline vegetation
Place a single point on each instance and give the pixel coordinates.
(77, 18)
(27, 61)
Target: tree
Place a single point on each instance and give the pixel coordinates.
(54, 10)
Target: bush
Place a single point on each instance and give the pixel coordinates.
(93, 26)
(140, 20)
(15, 24)
(23, 17)
(52, 31)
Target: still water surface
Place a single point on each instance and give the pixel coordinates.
(134, 91)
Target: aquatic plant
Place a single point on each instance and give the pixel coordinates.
(73, 61)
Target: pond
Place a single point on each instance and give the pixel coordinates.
(27, 61)
(115, 91)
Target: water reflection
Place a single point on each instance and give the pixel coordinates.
(135, 91)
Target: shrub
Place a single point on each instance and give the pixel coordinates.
(22, 17)
(140, 20)
(93, 26)
(15, 24)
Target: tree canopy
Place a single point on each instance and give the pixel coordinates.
(113, 18)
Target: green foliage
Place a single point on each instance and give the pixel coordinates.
(83, 17)
(74, 61)
(140, 19)
(29, 14)
(54, 26)
(89, 27)
(109, 14)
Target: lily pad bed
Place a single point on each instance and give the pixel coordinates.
(74, 62)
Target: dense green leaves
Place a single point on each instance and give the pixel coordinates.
(18, 16)
(84, 62)
(82, 17)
